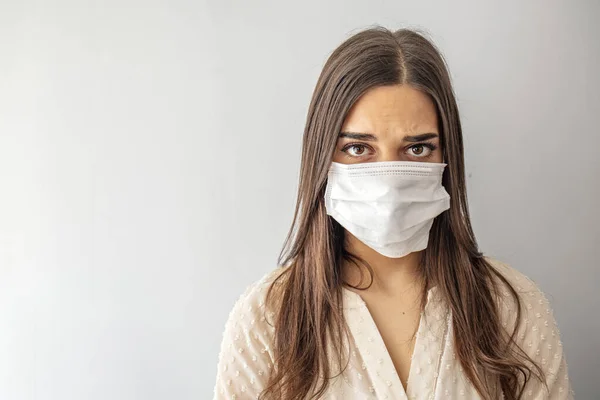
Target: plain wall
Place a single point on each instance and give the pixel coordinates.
(149, 156)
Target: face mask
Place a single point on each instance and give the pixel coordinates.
(389, 206)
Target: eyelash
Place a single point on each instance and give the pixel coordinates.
(432, 147)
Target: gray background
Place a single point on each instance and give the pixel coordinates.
(149, 154)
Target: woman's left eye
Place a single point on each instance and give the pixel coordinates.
(421, 150)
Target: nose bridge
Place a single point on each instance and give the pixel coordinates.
(390, 147)
(390, 155)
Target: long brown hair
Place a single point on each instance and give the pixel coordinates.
(309, 326)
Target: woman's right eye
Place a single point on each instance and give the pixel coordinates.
(355, 150)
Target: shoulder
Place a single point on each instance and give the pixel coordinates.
(252, 300)
(250, 314)
(534, 304)
(521, 282)
(537, 332)
(246, 356)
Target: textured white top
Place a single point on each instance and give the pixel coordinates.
(246, 356)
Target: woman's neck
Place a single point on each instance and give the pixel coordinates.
(391, 276)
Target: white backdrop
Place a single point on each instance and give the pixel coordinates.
(149, 154)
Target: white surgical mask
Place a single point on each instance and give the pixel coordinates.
(389, 205)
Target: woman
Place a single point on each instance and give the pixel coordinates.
(382, 292)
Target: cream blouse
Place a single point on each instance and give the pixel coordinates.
(246, 356)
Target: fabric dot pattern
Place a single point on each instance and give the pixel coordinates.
(246, 356)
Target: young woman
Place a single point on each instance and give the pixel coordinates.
(382, 292)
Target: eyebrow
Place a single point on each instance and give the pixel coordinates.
(372, 138)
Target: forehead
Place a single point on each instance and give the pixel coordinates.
(394, 108)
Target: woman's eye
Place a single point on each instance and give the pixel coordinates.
(420, 150)
(355, 150)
